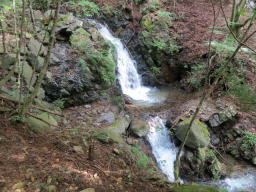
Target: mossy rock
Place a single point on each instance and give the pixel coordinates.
(194, 188)
(139, 128)
(41, 126)
(80, 39)
(198, 137)
(113, 133)
(7, 61)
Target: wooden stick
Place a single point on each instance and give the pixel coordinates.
(42, 120)
(33, 106)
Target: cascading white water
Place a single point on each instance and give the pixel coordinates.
(163, 148)
(128, 76)
(240, 181)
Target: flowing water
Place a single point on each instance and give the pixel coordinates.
(163, 148)
(129, 79)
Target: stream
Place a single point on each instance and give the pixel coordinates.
(163, 148)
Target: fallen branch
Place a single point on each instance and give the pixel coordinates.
(32, 106)
(34, 116)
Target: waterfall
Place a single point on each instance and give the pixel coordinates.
(128, 76)
(163, 148)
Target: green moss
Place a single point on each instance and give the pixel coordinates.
(193, 188)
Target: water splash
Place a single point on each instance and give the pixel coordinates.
(163, 148)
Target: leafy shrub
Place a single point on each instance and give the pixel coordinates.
(88, 8)
(249, 140)
(60, 102)
(142, 159)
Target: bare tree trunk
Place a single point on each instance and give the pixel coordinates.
(32, 15)
(30, 99)
(3, 36)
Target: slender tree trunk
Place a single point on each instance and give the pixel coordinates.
(32, 15)
(30, 99)
(177, 162)
(3, 36)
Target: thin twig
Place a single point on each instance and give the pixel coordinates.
(32, 106)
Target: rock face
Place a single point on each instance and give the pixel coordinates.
(160, 44)
(84, 68)
(139, 128)
(198, 137)
(201, 163)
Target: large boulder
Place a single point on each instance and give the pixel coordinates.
(198, 136)
(43, 123)
(139, 128)
(113, 133)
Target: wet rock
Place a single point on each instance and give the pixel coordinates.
(127, 99)
(106, 117)
(139, 128)
(254, 160)
(198, 137)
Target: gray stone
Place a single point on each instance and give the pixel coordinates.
(54, 60)
(254, 160)
(7, 61)
(198, 137)
(34, 46)
(215, 120)
(78, 149)
(218, 118)
(139, 128)
(106, 117)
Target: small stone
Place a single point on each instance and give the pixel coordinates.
(254, 160)
(94, 112)
(18, 185)
(49, 180)
(116, 151)
(78, 149)
(88, 190)
(106, 117)
(88, 106)
(52, 188)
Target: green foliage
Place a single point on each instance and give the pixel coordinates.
(210, 153)
(41, 4)
(18, 118)
(166, 15)
(156, 70)
(142, 159)
(197, 75)
(110, 11)
(60, 102)
(151, 7)
(249, 140)
(82, 63)
(88, 8)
